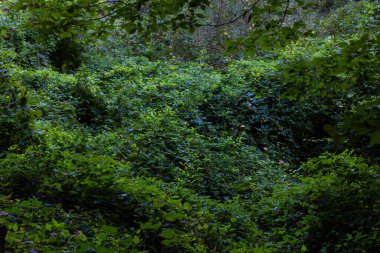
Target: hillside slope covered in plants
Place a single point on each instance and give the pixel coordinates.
(117, 146)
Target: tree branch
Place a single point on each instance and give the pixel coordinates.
(285, 12)
(243, 14)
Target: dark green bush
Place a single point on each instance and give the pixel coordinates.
(27, 50)
(66, 55)
(90, 109)
(333, 208)
(128, 155)
(163, 216)
(15, 113)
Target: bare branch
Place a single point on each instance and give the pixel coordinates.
(242, 15)
(285, 12)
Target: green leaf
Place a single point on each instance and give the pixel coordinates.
(147, 225)
(150, 225)
(38, 113)
(174, 216)
(109, 230)
(375, 138)
(186, 206)
(136, 240)
(168, 234)
(166, 242)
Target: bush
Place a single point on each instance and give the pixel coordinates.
(66, 55)
(333, 208)
(15, 113)
(23, 43)
(162, 216)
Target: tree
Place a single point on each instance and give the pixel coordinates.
(272, 24)
(75, 18)
(268, 18)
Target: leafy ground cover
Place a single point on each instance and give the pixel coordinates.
(101, 151)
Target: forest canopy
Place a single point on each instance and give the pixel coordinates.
(189, 126)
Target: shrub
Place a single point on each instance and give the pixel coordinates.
(334, 208)
(15, 113)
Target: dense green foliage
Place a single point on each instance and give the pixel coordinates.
(117, 146)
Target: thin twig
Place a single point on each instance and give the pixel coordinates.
(243, 14)
(99, 18)
(285, 12)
